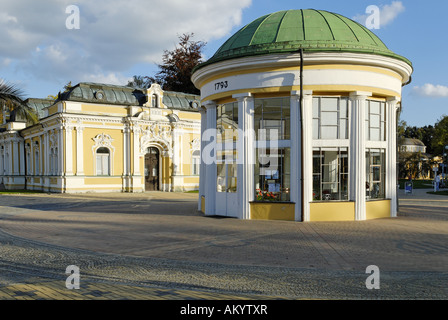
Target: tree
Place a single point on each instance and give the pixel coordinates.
(12, 100)
(440, 139)
(67, 88)
(141, 82)
(414, 165)
(176, 69)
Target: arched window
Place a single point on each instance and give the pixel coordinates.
(155, 101)
(195, 162)
(53, 161)
(102, 162)
(36, 159)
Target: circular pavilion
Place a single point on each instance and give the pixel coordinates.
(299, 117)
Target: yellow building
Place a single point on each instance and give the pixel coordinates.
(104, 138)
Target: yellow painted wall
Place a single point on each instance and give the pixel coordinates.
(202, 204)
(166, 170)
(53, 109)
(104, 110)
(332, 211)
(189, 115)
(378, 209)
(272, 211)
(102, 180)
(192, 180)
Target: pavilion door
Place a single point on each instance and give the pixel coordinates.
(226, 195)
(152, 174)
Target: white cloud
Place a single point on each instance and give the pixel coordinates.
(431, 90)
(110, 78)
(114, 35)
(388, 13)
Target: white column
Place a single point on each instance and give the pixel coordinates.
(203, 168)
(79, 151)
(296, 158)
(358, 153)
(391, 168)
(210, 182)
(307, 149)
(246, 153)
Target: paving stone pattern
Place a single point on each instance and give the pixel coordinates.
(157, 246)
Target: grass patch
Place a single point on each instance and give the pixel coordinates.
(417, 184)
(19, 191)
(439, 193)
(192, 191)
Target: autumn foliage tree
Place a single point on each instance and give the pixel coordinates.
(176, 68)
(178, 64)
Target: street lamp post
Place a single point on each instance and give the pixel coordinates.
(444, 173)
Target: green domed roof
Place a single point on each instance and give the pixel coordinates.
(311, 30)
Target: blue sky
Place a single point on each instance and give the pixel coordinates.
(117, 39)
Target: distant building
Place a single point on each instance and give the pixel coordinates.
(413, 145)
(104, 138)
(413, 154)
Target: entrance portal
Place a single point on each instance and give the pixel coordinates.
(152, 169)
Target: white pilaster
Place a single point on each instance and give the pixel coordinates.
(61, 148)
(79, 151)
(68, 152)
(136, 133)
(126, 158)
(307, 149)
(41, 156)
(22, 158)
(358, 153)
(391, 165)
(246, 154)
(176, 150)
(10, 158)
(46, 148)
(15, 156)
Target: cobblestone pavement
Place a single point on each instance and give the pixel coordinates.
(157, 246)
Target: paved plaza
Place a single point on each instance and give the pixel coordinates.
(157, 246)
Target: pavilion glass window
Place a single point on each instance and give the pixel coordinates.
(272, 170)
(226, 147)
(330, 174)
(375, 120)
(375, 174)
(330, 118)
